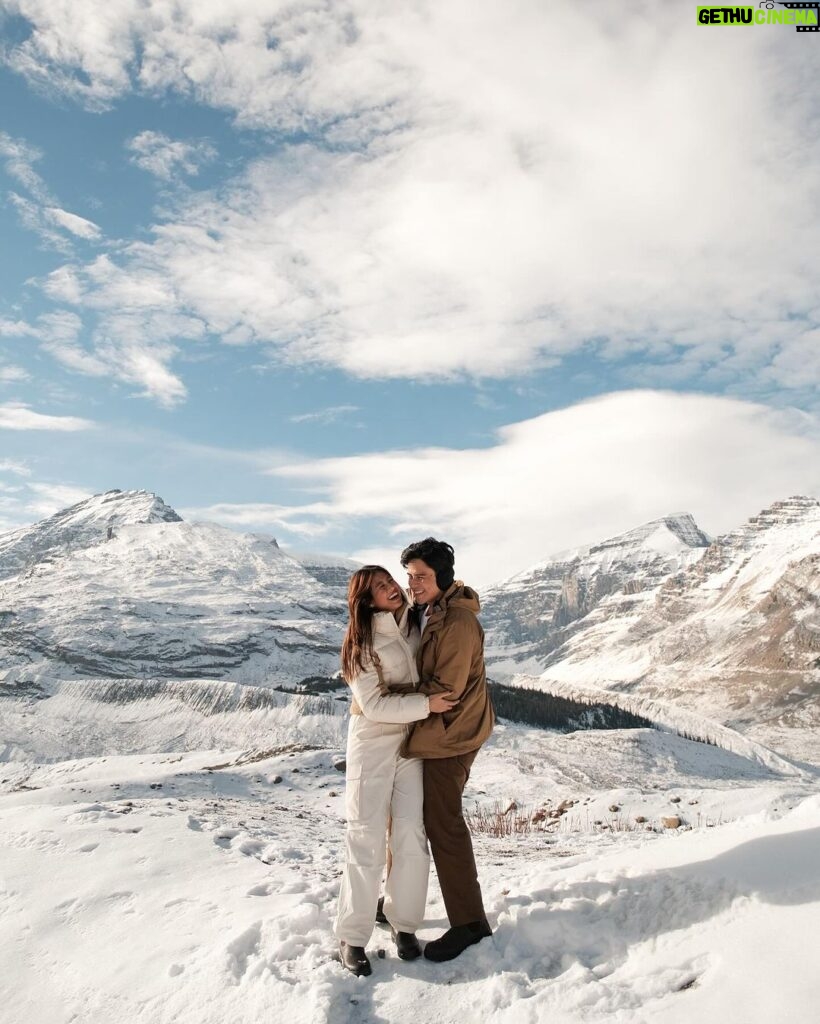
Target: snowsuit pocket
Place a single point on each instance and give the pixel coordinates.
(353, 792)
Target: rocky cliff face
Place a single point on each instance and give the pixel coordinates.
(532, 614)
(735, 634)
(330, 570)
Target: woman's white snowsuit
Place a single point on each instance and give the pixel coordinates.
(382, 785)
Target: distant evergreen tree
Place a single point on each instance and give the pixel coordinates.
(312, 686)
(535, 707)
(521, 704)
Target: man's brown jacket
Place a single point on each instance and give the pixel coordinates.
(451, 658)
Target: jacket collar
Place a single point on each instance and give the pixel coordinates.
(385, 622)
(437, 611)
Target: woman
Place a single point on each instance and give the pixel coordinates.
(379, 663)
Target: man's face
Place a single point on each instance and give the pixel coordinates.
(422, 581)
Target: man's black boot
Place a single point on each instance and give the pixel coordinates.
(455, 940)
(407, 945)
(355, 959)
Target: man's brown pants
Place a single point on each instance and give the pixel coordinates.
(450, 842)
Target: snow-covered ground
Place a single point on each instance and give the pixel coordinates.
(200, 887)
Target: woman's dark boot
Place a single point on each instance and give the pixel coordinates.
(354, 959)
(380, 918)
(407, 945)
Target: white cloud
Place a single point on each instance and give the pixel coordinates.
(325, 416)
(147, 367)
(798, 365)
(18, 416)
(124, 356)
(50, 221)
(34, 500)
(33, 218)
(73, 223)
(261, 516)
(14, 466)
(40, 213)
(142, 365)
(63, 285)
(15, 329)
(10, 374)
(274, 65)
(569, 477)
(51, 498)
(19, 158)
(165, 157)
(58, 334)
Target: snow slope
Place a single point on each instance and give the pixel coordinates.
(96, 717)
(201, 888)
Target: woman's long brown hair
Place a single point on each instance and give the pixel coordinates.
(358, 642)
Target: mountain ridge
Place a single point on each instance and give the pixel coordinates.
(735, 634)
(119, 587)
(87, 522)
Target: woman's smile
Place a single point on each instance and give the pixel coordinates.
(386, 594)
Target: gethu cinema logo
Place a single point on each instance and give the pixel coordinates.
(803, 15)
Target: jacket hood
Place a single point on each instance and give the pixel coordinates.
(460, 595)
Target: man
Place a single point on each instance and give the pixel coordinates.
(451, 659)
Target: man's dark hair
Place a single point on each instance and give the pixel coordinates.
(435, 553)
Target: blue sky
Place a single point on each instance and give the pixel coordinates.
(521, 277)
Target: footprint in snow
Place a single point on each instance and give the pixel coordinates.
(89, 814)
(242, 949)
(262, 889)
(250, 847)
(120, 897)
(293, 853)
(294, 888)
(67, 905)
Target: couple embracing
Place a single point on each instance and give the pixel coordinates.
(420, 713)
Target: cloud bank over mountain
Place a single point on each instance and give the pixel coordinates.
(560, 479)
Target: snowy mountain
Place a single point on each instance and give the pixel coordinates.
(118, 586)
(531, 614)
(734, 634)
(331, 570)
(82, 525)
